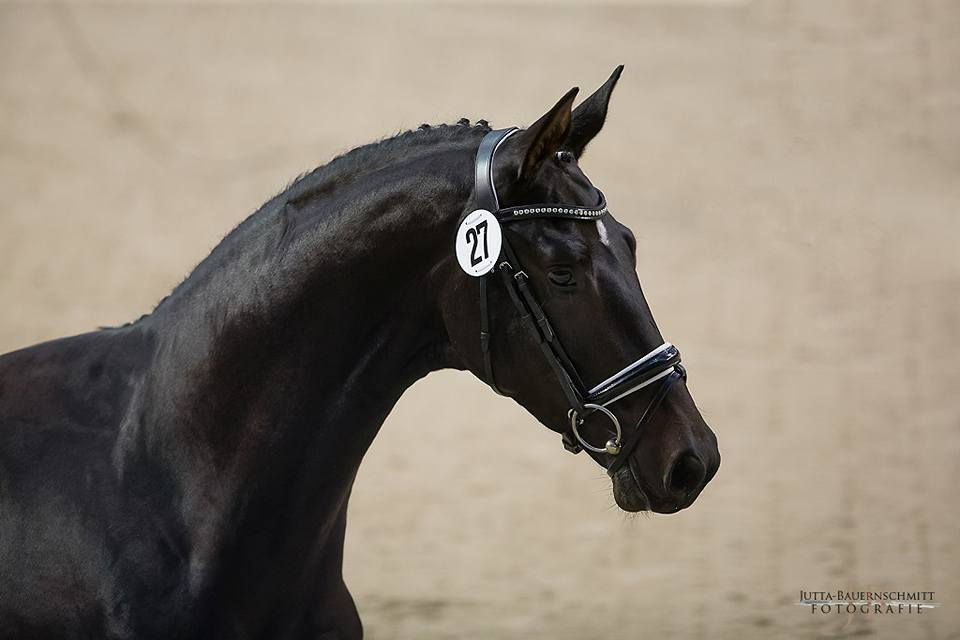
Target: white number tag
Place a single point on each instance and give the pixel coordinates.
(478, 243)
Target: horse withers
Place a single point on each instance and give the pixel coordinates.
(187, 475)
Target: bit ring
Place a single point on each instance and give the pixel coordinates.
(613, 446)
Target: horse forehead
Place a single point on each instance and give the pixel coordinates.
(570, 241)
(575, 189)
(564, 184)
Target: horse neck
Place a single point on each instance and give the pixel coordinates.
(279, 359)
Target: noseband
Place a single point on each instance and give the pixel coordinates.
(662, 365)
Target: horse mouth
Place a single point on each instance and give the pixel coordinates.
(627, 491)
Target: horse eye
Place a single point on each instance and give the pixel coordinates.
(565, 156)
(561, 277)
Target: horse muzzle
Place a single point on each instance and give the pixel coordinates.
(667, 479)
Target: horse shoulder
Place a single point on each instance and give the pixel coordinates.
(65, 521)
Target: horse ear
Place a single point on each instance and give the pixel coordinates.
(589, 116)
(544, 137)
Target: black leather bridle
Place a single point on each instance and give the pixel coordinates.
(659, 365)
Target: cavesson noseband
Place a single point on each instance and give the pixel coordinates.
(660, 365)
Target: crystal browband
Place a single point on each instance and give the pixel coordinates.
(554, 211)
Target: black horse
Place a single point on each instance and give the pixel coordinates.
(187, 475)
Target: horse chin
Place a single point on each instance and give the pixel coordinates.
(627, 491)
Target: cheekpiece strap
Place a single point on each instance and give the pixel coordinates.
(486, 190)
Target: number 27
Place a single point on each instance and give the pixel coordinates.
(473, 237)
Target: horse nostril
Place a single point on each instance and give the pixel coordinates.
(686, 476)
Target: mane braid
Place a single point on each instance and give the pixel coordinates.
(355, 162)
(358, 157)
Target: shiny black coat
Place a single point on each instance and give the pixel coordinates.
(187, 475)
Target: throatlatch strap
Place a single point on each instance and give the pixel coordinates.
(485, 337)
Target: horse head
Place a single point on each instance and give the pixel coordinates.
(564, 328)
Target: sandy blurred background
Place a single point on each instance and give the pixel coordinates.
(792, 172)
